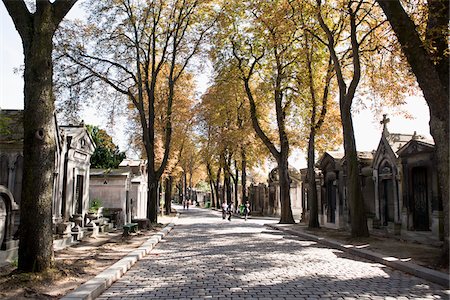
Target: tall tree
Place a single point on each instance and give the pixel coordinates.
(318, 104)
(36, 30)
(350, 15)
(134, 41)
(226, 128)
(428, 56)
(267, 49)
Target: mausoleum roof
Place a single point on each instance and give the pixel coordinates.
(109, 172)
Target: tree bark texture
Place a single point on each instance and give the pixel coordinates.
(36, 31)
(354, 193)
(236, 185)
(217, 188)
(152, 198)
(227, 186)
(432, 74)
(285, 187)
(244, 175)
(168, 195)
(211, 184)
(312, 189)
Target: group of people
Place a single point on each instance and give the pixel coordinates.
(227, 209)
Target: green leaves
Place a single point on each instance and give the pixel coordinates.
(107, 154)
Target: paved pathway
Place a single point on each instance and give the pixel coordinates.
(207, 257)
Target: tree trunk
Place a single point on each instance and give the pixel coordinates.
(244, 175)
(213, 194)
(218, 199)
(211, 184)
(236, 185)
(285, 197)
(440, 130)
(36, 239)
(168, 195)
(227, 186)
(180, 192)
(36, 31)
(152, 198)
(312, 189)
(354, 192)
(185, 187)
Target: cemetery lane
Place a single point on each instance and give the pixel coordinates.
(208, 257)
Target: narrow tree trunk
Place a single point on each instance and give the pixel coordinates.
(211, 184)
(185, 187)
(440, 130)
(285, 197)
(168, 195)
(236, 185)
(152, 198)
(213, 195)
(227, 187)
(312, 189)
(244, 175)
(36, 239)
(218, 199)
(180, 192)
(354, 193)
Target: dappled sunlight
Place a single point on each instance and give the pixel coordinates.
(207, 256)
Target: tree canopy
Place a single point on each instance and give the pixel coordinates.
(106, 155)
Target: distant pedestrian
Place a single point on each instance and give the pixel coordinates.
(246, 209)
(184, 204)
(187, 203)
(224, 210)
(230, 210)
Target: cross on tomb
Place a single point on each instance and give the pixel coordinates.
(385, 121)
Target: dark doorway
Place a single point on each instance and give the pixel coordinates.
(420, 198)
(79, 194)
(331, 201)
(387, 201)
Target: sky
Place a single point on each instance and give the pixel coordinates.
(367, 125)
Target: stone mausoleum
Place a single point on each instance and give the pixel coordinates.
(74, 147)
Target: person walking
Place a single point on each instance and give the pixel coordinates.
(224, 210)
(246, 209)
(230, 210)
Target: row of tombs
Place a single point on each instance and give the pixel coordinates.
(399, 185)
(121, 192)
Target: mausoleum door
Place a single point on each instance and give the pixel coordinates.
(387, 201)
(331, 202)
(79, 195)
(4, 170)
(420, 198)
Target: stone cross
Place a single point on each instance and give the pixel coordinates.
(384, 122)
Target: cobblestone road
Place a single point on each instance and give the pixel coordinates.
(207, 257)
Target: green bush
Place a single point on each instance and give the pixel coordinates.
(95, 205)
